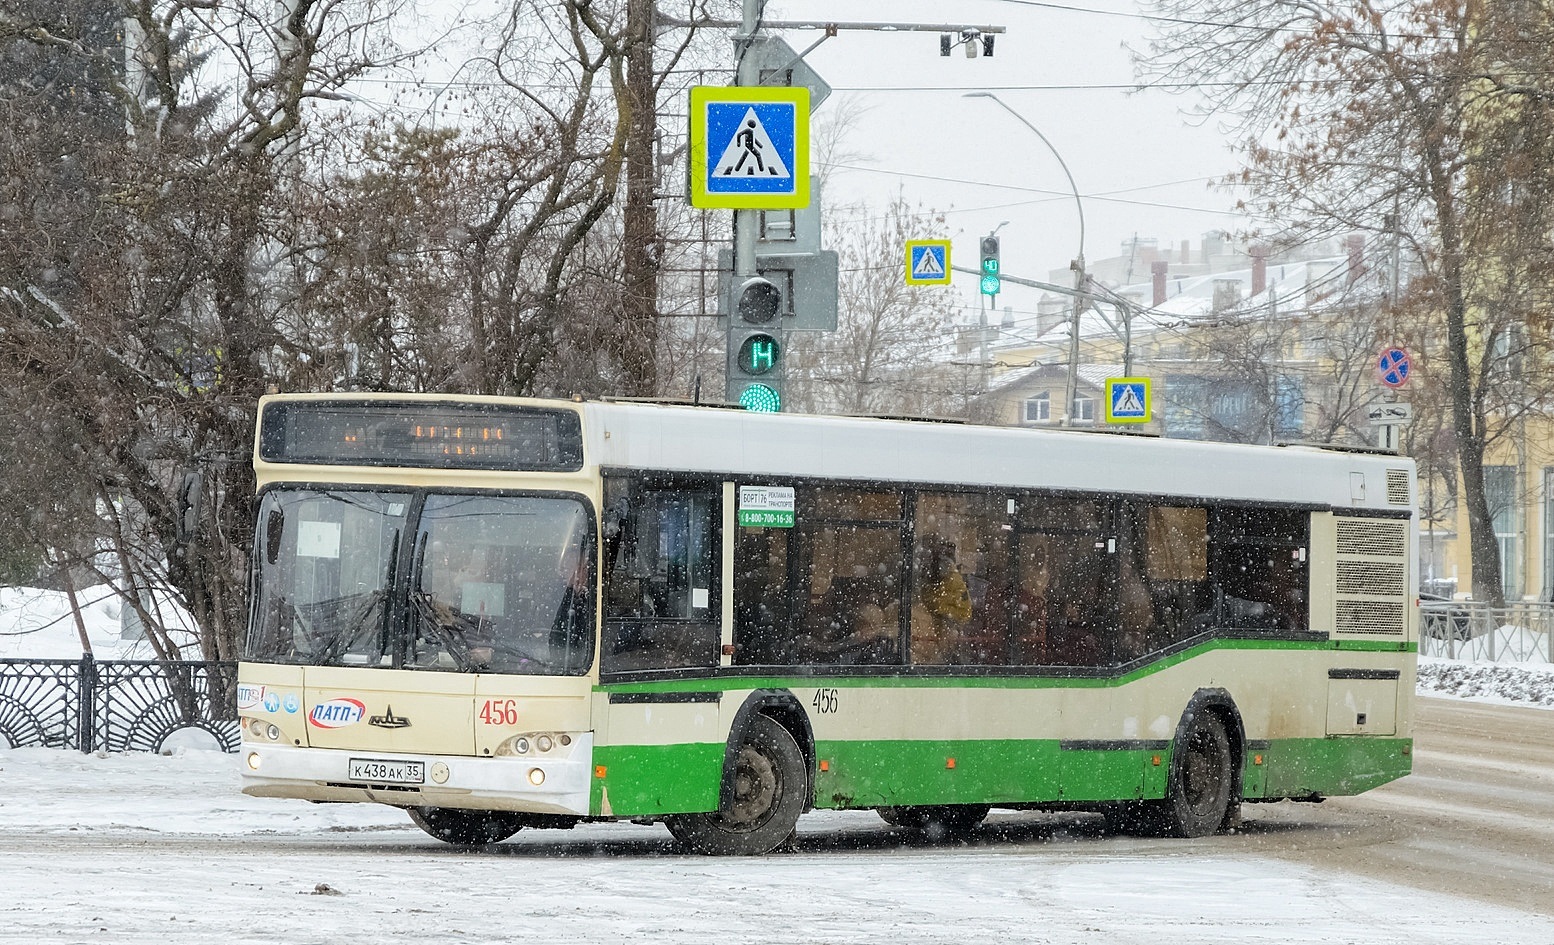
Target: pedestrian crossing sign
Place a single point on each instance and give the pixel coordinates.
(928, 262)
(749, 147)
(1127, 399)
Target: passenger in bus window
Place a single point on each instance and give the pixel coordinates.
(1028, 603)
(994, 608)
(857, 623)
(945, 602)
(1081, 595)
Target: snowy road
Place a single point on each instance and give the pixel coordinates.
(145, 849)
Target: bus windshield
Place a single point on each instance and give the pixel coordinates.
(459, 583)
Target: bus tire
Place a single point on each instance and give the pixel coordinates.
(768, 790)
(938, 822)
(1201, 786)
(466, 828)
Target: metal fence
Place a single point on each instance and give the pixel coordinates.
(1474, 630)
(117, 705)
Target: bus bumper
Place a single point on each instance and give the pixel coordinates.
(508, 783)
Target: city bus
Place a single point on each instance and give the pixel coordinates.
(501, 613)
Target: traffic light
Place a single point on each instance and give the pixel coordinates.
(755, 346)
(991, 283)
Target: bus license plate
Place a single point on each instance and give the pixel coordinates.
(387, 772)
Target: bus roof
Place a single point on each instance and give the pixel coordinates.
(723, 441)
(655, 436)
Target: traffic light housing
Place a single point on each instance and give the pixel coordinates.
(991, 269)
(755, 346)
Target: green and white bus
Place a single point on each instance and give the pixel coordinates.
(503, 613)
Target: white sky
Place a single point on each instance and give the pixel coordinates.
(1141, 169)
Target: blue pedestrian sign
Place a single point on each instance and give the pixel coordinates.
(928, 262)
(749, 147)
(1127, 399)
(1393, 367)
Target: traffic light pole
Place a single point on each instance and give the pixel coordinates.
(746, 74)
(755, 339)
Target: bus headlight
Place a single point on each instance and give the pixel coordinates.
(253, 761)
(273, 732)
(536, 776)
(536, 742)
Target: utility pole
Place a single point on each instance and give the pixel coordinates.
(637, 334)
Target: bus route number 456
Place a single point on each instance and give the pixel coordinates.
(824, 701)
(499, 712)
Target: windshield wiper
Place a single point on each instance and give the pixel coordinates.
(345, 623)
(443, 623)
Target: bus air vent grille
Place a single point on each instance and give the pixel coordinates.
(1370, 616)
(1373, 538)
(1397, 487)
(1372, 578)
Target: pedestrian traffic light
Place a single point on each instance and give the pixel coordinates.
(991, 283)
(755, 345)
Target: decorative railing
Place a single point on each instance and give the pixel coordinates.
(1474, 630)
(117, 705)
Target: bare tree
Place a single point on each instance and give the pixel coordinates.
(881, 357)
(1390, 118)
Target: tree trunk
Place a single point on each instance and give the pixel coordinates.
(637, 333)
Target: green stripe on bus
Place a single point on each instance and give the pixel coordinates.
(665, 779)
(903, 773)
(1338, 766)
(646, 780)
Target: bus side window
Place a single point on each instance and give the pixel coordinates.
(1065, 569)
(1163, 587)
(1260, 569)
(850, 589)
(961, 603)
(661, 577)
(761, 595)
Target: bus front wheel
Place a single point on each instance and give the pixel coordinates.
(766, 794)
(466, 828)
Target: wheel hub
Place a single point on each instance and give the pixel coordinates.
(756, 789)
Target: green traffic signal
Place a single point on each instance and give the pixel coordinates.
(759, 398)
(758, 354)
(990, 267)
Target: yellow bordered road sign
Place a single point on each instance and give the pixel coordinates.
(1127, 399)
(928, 262)
(749, 147)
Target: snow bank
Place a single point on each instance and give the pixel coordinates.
(1506, 683)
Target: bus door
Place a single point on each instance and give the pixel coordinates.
(662, 575)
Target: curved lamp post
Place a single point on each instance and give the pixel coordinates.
(1078, 264)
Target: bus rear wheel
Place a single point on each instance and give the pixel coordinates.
(938, 822)
(1201, 791)
(466, 828)
(766, 794)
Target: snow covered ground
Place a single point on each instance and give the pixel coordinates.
(164, 849)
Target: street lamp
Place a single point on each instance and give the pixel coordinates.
(1078, 264)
